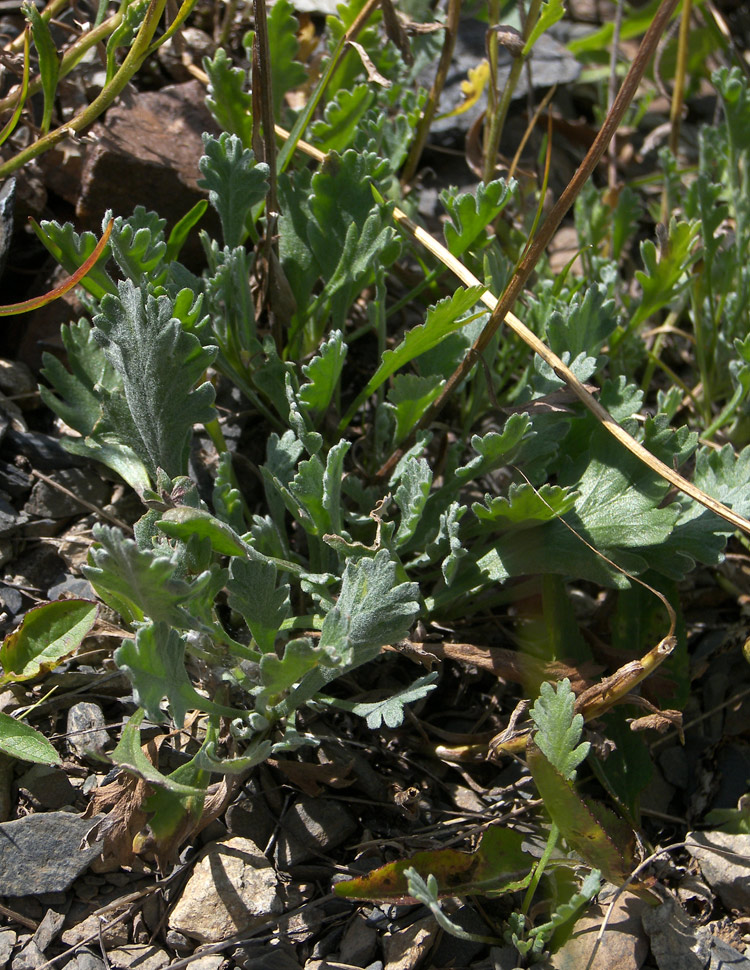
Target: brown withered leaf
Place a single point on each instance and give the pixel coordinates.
(373, 74)
(656, 720)
(512, 665)
(166, 850)
(122, 803)
(395, 31)
(310, 777)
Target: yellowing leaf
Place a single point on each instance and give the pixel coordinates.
(47, 634)
(602, 840)
(472, 88)
(498, 865)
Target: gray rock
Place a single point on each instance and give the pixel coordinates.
(261, 956)
(722, 956)
(11, 600)
(43, 451)
(550, 63)
(231, 888)
(211, 961)
(7, 942)
(359, 942)
(48, 929)
(48, 502)
(406, 948)
(74, 586)
(48, 786)
(90, 929)
(251, 818)
(148, 144)
(10, 519)
(139, 957)
(674, 944)
(85, 730)
(624, 946)
(41, 853)
(14, 481)
(311, 827)
(85, 961)
(16, 378)
(727, 871)
(178, 941)
(29, 958)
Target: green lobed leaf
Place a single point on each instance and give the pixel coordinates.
(372, 611)
(228, 100)
(665, 275)
(343, 114)
(236, 183)
(71, 250)
(471, 214)
(525, 505)
(558, 729)
(155, 664)
(306, 494)
(443, 318)
(428, 892)
(253, 592)
(411, 496)
(287, 73)
(391, 710)
(47, 635)
(138, 246)
(227, 498)
(494, 449)
(76, 398)
(332, 479)
(124, 34)
(160, 364)
(584, 324)
(735, 95)
(129, 755)
(299, 420)
(323, 373)
(280, 674)
(409, 396)
(139, 583)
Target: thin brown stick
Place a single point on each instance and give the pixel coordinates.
(564, 372)
(549, 227)
(82, 501)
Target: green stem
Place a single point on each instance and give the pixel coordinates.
(500, 113)
(728, 412)
(71, 57)
(51, 10)
(554, 834)
(305, 116)
(133, 60)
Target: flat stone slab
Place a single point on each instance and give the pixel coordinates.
(231, 889)
(41, 853)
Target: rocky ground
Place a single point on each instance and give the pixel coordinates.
(252, 889)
